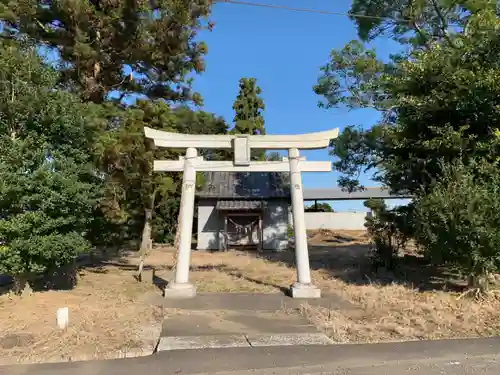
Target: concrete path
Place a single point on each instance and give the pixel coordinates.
(453, 357)
(239, 320)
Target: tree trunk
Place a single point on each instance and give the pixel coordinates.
(146, 241)
(479, 282)
(22, 286)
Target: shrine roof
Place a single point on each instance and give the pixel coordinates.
(244, 185)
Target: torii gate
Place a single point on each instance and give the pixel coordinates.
(241, 145)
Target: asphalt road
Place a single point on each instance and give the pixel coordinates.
(453, 357)
(488, 365)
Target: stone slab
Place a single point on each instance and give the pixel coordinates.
(214, 322)
(201, 342)
(248, 301)
(289, 339)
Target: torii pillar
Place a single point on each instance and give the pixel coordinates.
(302, 288)
(180, 287)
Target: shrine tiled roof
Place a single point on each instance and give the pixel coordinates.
(261, 185)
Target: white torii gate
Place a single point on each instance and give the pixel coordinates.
(241, 145)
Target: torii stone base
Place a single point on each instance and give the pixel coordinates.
(178, 291)
(298, 290)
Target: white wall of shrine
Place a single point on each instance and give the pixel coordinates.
(276, 229)
(211, 226)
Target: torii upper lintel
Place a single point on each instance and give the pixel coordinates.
(307, 141)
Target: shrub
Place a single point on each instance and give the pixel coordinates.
(48, 187)
(458, 222)
(389, 230)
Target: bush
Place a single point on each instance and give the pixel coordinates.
(48, 186)
(45, 208)
(164, 221)
(458, 222)
(389, 230)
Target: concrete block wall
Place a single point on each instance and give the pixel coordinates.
(335, 220)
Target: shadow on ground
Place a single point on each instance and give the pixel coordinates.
(349, 260)
(66, 278)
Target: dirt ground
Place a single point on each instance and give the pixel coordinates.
(109, 311)
(107, 318)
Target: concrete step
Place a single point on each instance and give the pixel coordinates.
(241, 341)
(203, 329)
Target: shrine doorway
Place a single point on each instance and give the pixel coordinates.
(243, 229)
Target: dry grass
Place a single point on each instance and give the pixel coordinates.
(226, 271)
(108, 311)
(382, 311)
(106, 316)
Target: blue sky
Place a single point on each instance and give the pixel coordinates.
(284, 51)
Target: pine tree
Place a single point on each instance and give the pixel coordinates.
(248, 108)
(110, 48)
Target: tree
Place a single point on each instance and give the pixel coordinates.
(319, 207)
(390, 230)
(438, 107)
(415, 22)
(457, 222)
(115, 48)
(48, 187)
(133, 190)
(248, 107)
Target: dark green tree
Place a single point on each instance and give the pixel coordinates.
(319, 207)
(415, 22)
(48, 186)
(438, 107)
(248, 112)
(457, 222)
(248, 108)
(99, 42)
(134, 192)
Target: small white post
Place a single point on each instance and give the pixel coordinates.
(62, 317)
(303, 287)
(181, 286)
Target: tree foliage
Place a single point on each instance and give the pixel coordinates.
(100, 42)
(248, 108)
(438, 101)
(133, 190)
(248, 112)
(390, 231)
(319, 207)
(437, 105)
(48, 187)
(457, 222)
(106, 53)
(415, 22)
